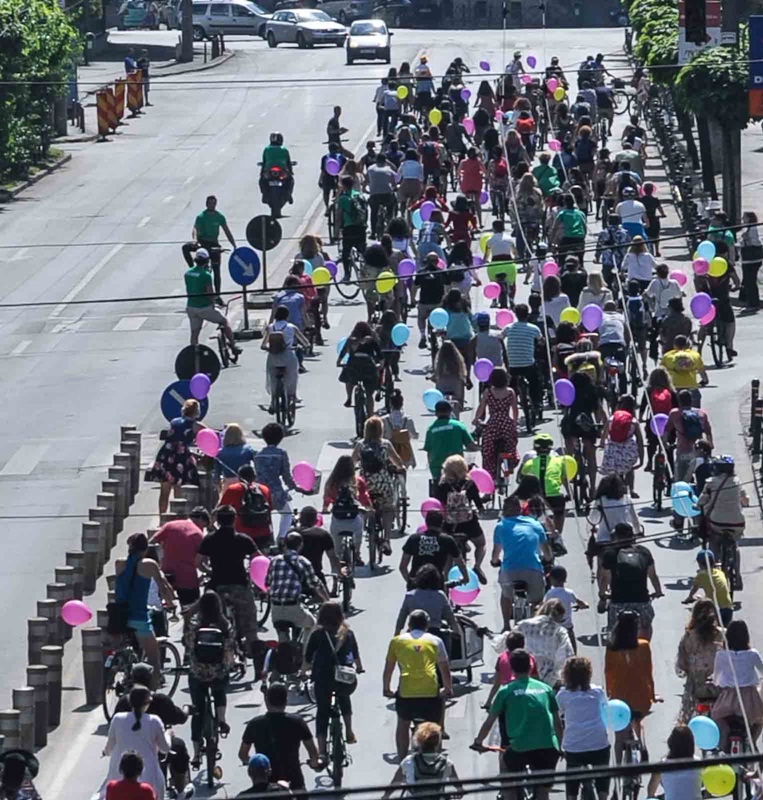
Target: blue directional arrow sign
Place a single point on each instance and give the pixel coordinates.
(173, 398)
(244, 266)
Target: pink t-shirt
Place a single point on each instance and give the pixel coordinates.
(180, 540)
(506, 673)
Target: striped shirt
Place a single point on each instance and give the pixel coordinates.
(520, 343)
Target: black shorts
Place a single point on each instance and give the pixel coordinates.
(594, 758)
(557, 504)
(428, 709)
(572, 431)
(535, 759)
(187, 597)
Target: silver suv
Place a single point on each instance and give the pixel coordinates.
(230, 17)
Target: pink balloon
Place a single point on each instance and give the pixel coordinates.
(483, 369)
(483, 480)
(498, 115)
(679, 277)
(491, 290)
(406, 268)
(75, 612)
(440, 264)
(258, 571)
(701, 266)
(552, 84)
(319, 520)
(333, 166)
(422, 528)
(331, 267)
(504, 317)
(304, 476)
(554, 145)
(526, 79)
(461, 598)
(658, 423)
(709, 317)
(431, 504)
(468, 124)
(208, 442)
(549, 268)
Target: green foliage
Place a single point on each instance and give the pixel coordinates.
(37, 46)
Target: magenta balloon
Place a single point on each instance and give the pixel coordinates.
(75, 612)
(406, 268)
(483, 368)
(700, 305)
(504, 317)
(258, 571)
(491, 290)
(422, 528)
(564, 391)
(552, 84)
(460, 598)
(658, 423)
(468, 124)
(591, 317)
(679, 277)
(498, 115)
(554, 145)
(431, 504)
(526, 79)
(549, 268)
(208, 442)
(200, 384)
(482, 479)
(304, 476)
(333, 166)
(426, 210)
(701, 266)
(709, 317)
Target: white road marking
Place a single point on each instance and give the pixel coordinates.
(86, 280)
(129, 324)
(20, 347)
(207, 163)
(19, 254)
(188, 180)
(144, 222)
(168, 198)
(67, 327)
(24, 460)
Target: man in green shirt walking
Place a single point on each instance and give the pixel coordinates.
(200, 307)
(445, 437)
(276, 155)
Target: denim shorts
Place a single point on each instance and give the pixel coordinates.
(142, 627)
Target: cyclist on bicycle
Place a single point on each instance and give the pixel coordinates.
(580, 420)
(523, 340)
(614, 337)
(363, 358)
(382, 184)
(276, 155)
(550, 469)
(471, 178)
(210, 647)
(712, 582)
(400, 429)
(200, 307)
(328, 181)
(280, 341)
(352, 217)
(432, 158)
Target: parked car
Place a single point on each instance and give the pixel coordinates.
(241, 17)
(139, 14)
(368, 38)
(347, 11)
(306, 27)
(407, 14)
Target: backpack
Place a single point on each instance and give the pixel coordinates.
(620, 426)
(457, 508)
(661, 400)
(276, 343)
(254, 511)
(358, 209)
(209, 647)
(372, 459)
(401, 441)
(585, 150)
(500, 169)
(636, 312)
(429, 155)
(692, 424)
(345, 506)
(526, 125)
(425, 770)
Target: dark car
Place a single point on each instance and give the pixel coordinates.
(407, 14)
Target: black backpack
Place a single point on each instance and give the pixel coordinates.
(372, 458)
(254, 511)
(425, 770)
(692, 424)
(345, 506)
(209, 647)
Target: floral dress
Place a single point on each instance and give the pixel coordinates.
(695, 661)
(500, 425)
(175, 463)
(620, 457)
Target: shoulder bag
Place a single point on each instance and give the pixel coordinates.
(345, 677)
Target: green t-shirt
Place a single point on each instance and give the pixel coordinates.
(445, 437)
(547, 178)
(275, 156)
(208, 224)
(528, 707)
(347, 214)
(573, 222)
(197, 281)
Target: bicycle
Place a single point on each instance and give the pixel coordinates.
(729, 560)
(375, 534)
(238, 668)
(336, 746)
(228, 355)
(285, 406)
(582, 491)
(210, 738)
(503, 473)
(359, 408)
(523, 390)
(401, 502)
(521, 608)
(633, 753)
(718, 341)
(346, 576)
(351, 289)
(660, 480)
(625, 102)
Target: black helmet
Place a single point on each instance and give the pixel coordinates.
(276, 138)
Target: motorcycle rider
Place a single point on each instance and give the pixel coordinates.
(276, 155)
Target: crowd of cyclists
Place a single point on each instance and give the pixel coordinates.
(464, 195)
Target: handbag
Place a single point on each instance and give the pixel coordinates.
(345, 677)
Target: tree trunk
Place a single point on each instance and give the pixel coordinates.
(706, 154)
(732, 173)
(687, 131)
(186, 53)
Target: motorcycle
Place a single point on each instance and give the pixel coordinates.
(278, 188)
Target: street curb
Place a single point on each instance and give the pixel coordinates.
(226, 56)
(9, 194)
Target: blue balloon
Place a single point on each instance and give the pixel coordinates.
(455, 575)
(680, 488)
(431, 398)
(340, 344)
(416, 219)
(706, 250)
(706, 733)
(308, 267)
(400, 334)
(616, 715)
(438, 319)
(685, 505)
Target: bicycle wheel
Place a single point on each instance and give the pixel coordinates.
(389, 387)
(716, 348)
(171, 666)
(222, 347)
(331, 219)
(372, 549)
(657, 487)
(527, 407)
(336, 765)
(291, 411)
(280, 402)
(210, 744)
(116, 681)
(622, 102)
(359, 405)
(401, 509)
(350, 290)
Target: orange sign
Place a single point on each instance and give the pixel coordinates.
(755, 103)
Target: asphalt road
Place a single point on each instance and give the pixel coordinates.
(73, 374)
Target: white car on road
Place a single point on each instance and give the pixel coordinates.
(305, 27)
(369, 38)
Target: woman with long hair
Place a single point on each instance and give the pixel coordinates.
(623, 442)
(554, 300)
(695, 660)
(449, 374)
(400, 429)
(548, 640)
(499, 401)
(354, 170)
(331, 651)
(427, 594)
(660, 397)
(515, 150)
(682, 784)
(459, 329)
(363, 356)
(639, 263)
(595, 292)
(346, 496)
(234, 453)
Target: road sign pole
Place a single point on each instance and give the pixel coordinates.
(246, 308)
(264, 254)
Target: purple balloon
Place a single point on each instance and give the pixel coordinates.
(406, 268)
(465, 95)
(564, 391)
(200, 384)
(700, 305)
(331, 267)
(531, 62)
(426, 210)
(484, 197)
(591, 317)
(478, 261)
(333, 166)
(483, 367)
(658, 423)
(485, 65)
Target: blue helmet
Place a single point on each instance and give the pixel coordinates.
(482, 319)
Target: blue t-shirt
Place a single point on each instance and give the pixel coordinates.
(459, 325)
(520, 538)
(230, 458)
(295, 302)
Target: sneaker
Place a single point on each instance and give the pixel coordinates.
(301, 370)
(422, 343)
(271, 410)
(348, 403)
(236, 350)
(480, 575)
(387, 550)
(224, 729)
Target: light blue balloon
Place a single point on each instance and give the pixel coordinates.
(340, 344)
(431, 398)
(455, 575)
(615, 714)
(438, 319)
(706, 733)
(416, 219)
(706, 250)
(400, 334)
(308, 267)
(685, 505)
(679, 488)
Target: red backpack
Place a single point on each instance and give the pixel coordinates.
(661, 400)
(620, 426)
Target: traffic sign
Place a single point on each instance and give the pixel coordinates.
(173, 398)
(244, 266)
(193, 359)
(263, 232)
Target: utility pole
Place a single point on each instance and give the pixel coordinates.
(186, 48)
(732, 137)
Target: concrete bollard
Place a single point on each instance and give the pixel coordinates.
(125, 460)
(103, 517)
(91, 547)
(76, 560)
(37, 638)
(111, 486)
(37, 678)
(23, 702)
(52, 658)
(9, 728)
(165, 518)
(207, 493)
(109, 502)
(121, 474)
(111, 597)
(135, 437)
(190, 493)
(58, 592)
(102, 618)
(132, 449)
(49, 610)
(123, 430)
(65, 575)
(92, 664)
(179, 507)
